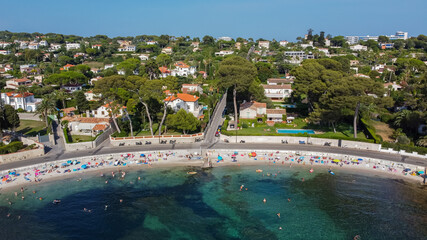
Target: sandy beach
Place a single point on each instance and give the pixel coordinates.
(125, 162)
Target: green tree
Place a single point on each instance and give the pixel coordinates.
(163, 60)
(11, 117)
(208, 40)
(46, 106)
(236, 73)
(183, 121)
(383, 39)
(81, 101)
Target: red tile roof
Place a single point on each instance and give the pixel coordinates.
(164, 70)
(99, 127)
(181, 65)
(183, 96)
(284, 86)
(276, 111)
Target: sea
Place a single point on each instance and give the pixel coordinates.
(230, 202)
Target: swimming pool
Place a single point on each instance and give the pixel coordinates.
(295, 131)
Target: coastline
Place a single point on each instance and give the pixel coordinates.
(59, 170)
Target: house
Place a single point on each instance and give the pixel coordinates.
(223, 53)
(279, 81)
(252, 110)
(107, 66)
(167, 50)
(83, 55)
(191, 88)
(68, 111)
(129, 48)
(151, 42)
(144, 57)
(189, 103)
(72, 87)
(72, 46)
(195, 44)
(164, 72)
(275, 115)
(324, 50)
(87, 125)
(104, 111)
(227, 39)
(15, 83)
(386, 45)
(264, 44)
(354, 62)
(43, 43)
(238, 45)
(183, 70)
(4, 44)
(361, 75)
(296, 57)
(93, 80)
(54, 47)
(27, 68)
(277, 92)
(4, 52)
(283, 43)
(359, 47)
(97, 46)
(392, 86)
(90, 96)
(68, 66)
(33, 46)
(17, 100)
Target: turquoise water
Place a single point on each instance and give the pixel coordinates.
(295, 131)
(167, 203)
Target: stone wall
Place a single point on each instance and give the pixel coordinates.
(130, 141)
(89, 145)
(306, 140)
(22, 155)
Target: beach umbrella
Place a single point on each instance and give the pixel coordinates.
(336, 160)
(64, 164)
(253, 154)
(234, 155)
(142, 155)
(355, 160)
(219, 158)
(360, 159)
(84, 166)
(421, 172)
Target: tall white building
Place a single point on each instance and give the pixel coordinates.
(72, 46)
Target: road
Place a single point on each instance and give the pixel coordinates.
(197, 147)
(216, 120)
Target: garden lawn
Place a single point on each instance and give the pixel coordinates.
(32, 127)
(82, 138)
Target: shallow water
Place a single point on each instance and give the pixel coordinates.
(170, 204)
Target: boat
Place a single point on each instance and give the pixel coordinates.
(332, 173)
(311, 170)
(259, 170)
(191, 173)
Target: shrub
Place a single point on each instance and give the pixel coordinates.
(404, 140)
(387, 117)
(11, 147)
(244, 125)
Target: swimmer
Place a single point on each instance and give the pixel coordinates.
(289, 200)
(241, 187)
(106, 182)
(280, 228)
(8, 215)
(265, 200)
(22, 198)
(246, 189)
(121, 200)
(34, 192)
(19, 217)
(278, 214)
(302, 179)
(139, 178)
(10, 203)
(105, 208)
(16, 194)
(22, 189)
(40, 198)
(78, 180)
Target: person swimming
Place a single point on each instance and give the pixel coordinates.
(56, 201)
(265, 200)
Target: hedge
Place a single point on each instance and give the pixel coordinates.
(11, 147)
(66, 136)
(407, 148)
(371, 131)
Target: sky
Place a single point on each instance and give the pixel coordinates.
(268, 19)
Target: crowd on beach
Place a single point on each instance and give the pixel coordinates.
(36, 173)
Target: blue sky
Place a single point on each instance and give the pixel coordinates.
(270, 19)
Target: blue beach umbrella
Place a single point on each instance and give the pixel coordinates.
(421, 172)
(142, 155)
(84, 166)
(219, 158)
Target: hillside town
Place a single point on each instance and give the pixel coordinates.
(365, 88)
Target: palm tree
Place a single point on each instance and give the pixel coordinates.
(61, 95)
(46, 106)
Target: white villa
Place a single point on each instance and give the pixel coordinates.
(129, 48)
(72, 46)
(17, 101)
(104, 111)
(15, 83)
(277, 92)
(223, 53)
(252, 110)
(86, 125)
(189, 103)
(183, 70)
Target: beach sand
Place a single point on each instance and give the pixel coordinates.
(106, 164)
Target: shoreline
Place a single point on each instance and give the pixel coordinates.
(64, 169)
